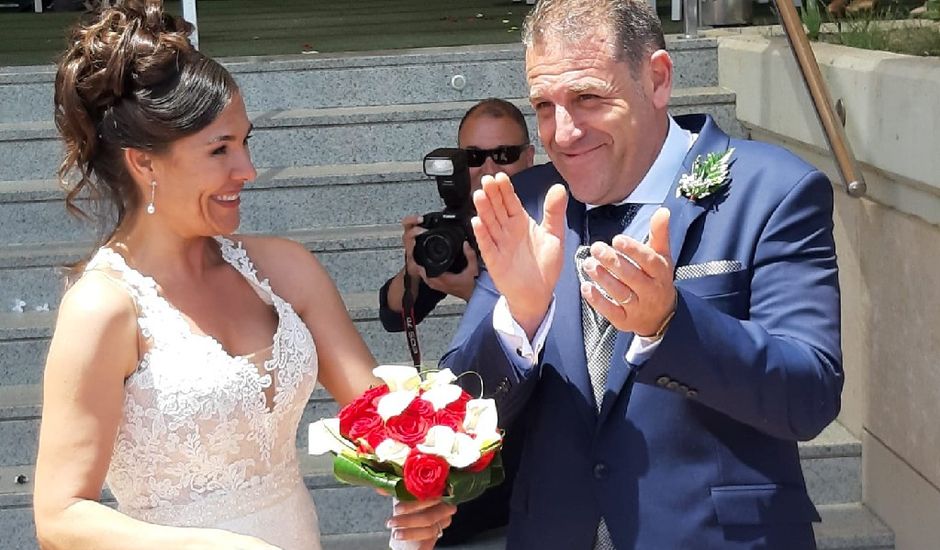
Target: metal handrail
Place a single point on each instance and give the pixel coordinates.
(832, 125)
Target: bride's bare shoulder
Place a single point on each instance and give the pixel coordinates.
(99, 297)
(96, 328)
(287, 264)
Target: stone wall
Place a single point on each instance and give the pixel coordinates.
(889, 252)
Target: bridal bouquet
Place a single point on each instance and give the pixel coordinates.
(418, 436)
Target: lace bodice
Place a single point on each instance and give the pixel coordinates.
(200, 441)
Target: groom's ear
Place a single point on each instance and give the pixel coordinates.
(660, 74)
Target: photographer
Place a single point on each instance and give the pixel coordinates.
(496, 138)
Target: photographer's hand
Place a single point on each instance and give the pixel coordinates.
(523, 258)
(410, 231)
(457, 284)
(396, 290)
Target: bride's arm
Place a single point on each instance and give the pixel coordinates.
(93, 349)
(345, 363)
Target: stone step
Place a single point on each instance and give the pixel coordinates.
(21, 410)
(831, 462)
(339, 135)
(359, 258)
(24, 337)
(280, 200)
(843, 527)
(342, 509)
(353, 519)
(832, 466)
(357, 79)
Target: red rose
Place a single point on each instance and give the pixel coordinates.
(482, 463)
(362, 406)
(352, 412)
(425, 475)
(421, 408)
(364, 425)
(449, 418)
(372, 395)
(460, 404)
(408, 428)
(376, 437)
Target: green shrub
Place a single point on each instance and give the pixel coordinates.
(812, 18)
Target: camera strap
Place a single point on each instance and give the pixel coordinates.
(408, 321)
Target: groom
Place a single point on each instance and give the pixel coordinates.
(670, 330)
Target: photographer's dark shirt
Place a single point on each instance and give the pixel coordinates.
(425, 302)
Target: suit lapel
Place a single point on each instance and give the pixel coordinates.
(566, 351)
(683, 213)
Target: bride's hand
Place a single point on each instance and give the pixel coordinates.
(218, 539)
(421, 521)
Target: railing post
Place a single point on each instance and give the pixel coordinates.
(189, 14)
(690, 18)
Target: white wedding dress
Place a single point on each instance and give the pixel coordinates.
(207, 439)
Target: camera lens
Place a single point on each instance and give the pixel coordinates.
(438, 251)
(441, 249)
(437, 248)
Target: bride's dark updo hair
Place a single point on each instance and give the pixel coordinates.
(129, 79)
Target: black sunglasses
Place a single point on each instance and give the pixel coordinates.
(504, 154)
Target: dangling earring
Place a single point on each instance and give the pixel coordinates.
(153, 189)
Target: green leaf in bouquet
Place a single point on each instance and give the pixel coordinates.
(352, 471)
(497, 472)
(466, 486)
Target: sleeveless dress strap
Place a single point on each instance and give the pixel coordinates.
(235, 254)
(141, 288)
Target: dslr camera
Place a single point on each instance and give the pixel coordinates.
(440, 248)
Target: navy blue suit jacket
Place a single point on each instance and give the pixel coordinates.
(695, 448)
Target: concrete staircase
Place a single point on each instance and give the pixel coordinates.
(337, 145)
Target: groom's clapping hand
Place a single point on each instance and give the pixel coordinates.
(637, 279)
(523, 258)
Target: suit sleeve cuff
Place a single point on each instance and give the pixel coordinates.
(641, 348)
(513, 338)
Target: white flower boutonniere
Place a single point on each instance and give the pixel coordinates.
(708, 175)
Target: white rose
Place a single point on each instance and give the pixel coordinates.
(481, 417)
(393, 404)
(458, 449)
(323, 437)
(438, 378)
(398, 377)
(443, 395)
(392, 451)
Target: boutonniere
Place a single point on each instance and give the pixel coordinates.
(707, 176)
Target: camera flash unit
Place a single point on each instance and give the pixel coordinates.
(438, 166)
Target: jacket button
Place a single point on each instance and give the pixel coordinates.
(683, 389)
(672, 385)
(600, 471)
(691, 394)
(662, 380)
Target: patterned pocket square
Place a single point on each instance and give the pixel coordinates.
(717, 267)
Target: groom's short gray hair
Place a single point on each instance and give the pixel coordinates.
(634, 24)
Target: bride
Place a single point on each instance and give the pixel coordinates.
(183, 355)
